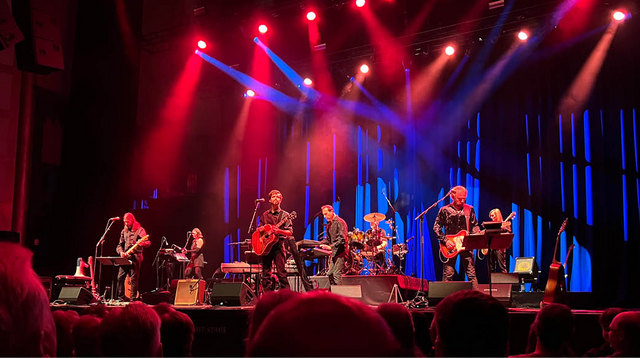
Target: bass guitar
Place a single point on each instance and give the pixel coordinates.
(263, 239)
(554, 291)
(504, 225)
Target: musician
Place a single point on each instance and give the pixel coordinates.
(452, 219)
(377, 241)
(277, 254)
(131, 233)
(336, 242)
(197, 255)
(499, 257)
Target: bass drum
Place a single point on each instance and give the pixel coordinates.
(353, 264)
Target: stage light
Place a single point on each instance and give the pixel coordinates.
(364, 68)
(249, 93)
(449, 50)
(523, 36)
(619, 15)
(311, 16)
(202, 44)
(360, 3)
(307, 81)
(263, 29)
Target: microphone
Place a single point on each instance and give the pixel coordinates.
(115, 218)
(259, 200)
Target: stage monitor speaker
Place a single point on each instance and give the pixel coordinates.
(510, 278)
(500, 291)
(353, 291)
(232, 294)
(154, 298)
(190, 292)
(439, 290)
(76, 296)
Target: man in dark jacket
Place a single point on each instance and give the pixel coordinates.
(336, 242)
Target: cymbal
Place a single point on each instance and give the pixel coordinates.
(374, 217)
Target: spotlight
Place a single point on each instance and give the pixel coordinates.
(263, 29)
(249, 93)
(449, 50)
(307, 81)
(364, 68)
(619, 15)
(523, 36)
(360, 3)
(311, 16)
(202, 44)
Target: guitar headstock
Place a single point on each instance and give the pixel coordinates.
(511, 216)
(293, 215)
(563, 227)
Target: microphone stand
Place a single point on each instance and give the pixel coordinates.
(155, 263)
(99, 244)
(394, 228)
(420, 294)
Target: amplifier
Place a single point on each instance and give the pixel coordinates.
(190, 292)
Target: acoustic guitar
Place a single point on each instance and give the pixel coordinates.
(263, 239)
(554, 291)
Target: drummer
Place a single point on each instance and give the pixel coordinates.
(377, 242)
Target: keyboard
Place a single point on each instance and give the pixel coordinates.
(240, 267)
(314, 253)
(307, 243)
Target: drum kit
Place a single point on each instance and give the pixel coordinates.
(372, 245)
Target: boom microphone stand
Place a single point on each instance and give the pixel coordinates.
(99, 244)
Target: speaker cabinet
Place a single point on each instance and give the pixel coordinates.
(232, 294)
(501, 291)
(190, 292)
(353, 291)
(76, 296)
(440, 290)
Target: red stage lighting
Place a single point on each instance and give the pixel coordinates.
(263, 29)
(523, 36)
(202, 44)
(619, 15)
(364, 68)
(360, 3)
(249, 93)
(449, 50)
(307, 81)
(311, 16)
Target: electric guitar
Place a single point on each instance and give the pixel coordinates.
(511, 216)
(457, 240)
(263, 239)
(136, 245)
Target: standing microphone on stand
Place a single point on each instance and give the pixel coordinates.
(259, 200)
(114, 218)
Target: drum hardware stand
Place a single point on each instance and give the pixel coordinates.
(395, 294)
(420, 298)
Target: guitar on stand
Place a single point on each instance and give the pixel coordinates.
(554, 291)
(264, 237)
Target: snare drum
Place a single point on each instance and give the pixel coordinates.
(356, 239)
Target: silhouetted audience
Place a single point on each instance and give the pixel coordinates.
(624, 334)
(65, 320)
(553, 327)
(99, 310)
(26, 323)
(86, 336)
(176, 331)
(345, 327)
(133, 330)
(470, 323)
(400, 322)
(267, 303)
(605, 320)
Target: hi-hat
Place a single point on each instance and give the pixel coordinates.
(374, 217)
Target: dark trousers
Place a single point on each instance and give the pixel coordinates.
(335, 269)
(299, 264)
(499, 261)
(449, 267)
(275, 256)
(134, 272)
(188, 272)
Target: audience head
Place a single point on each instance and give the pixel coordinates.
(64, 320)
(267, 303)
(86, 336)
(400, 322)
(133, 330)
(606, 318)
(99, 311)
(474, 312)
(554, 326)
(349, 328)
(624, 334)
(26, 323)
(176, 331)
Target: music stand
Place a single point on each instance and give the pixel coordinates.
(114, 261)
(488, 240)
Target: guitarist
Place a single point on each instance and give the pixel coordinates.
(131, 233)
(196, 261)
(452, 219)
(499, 257)
(277, 254)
